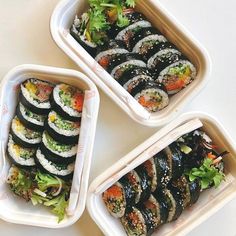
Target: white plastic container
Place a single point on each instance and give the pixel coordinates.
(210, 200)
(12, 208)
(61, 22)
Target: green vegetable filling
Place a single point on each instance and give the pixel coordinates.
(56, 146)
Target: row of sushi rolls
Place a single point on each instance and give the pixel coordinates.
(43, 143)
(160, 189)
(126, 44)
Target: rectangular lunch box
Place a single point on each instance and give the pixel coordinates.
(210, 200)
(13, 208)
(61, 21)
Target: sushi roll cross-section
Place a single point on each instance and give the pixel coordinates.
(62, 130)
(20, 156)
(58, 152)
(34, 94)
(25, 137)
(30, 119)
(67, 101)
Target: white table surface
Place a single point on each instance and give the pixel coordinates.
(25, 38)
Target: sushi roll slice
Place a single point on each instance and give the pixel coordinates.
(132, 16)
(67, 101)
(184, 188)
(23, 136)
(62, 130)
(177, 76)
(150, 95)
(20, 156)
(133, 179)
(118, 198)
(142, 33)
(150, 167)
(145, 183)
(133, 76)
(162, 170)
(34, 94)
(64, 171)
(30, 119)
(77, 31)
(148, 44)
(175, 160)
(164, 58)
(175, 203)
(57, 152)
(108, 51)
(163, 205)
(195, 190)
(137, 222)
(121, 63)
(153, 208)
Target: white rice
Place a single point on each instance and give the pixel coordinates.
(67, 109)
(30, 119)
(156, 37)
(22, 136)
(74, 132)
(21, 161)
(50, 167)
(142, 23)
(26, 94)
(110, 52)
(152, 59)
(131, 62)
(66, 154)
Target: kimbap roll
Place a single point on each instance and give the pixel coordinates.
(67, 101)
(137, 222)
(23, 136)
(145, 183)
(150, 168)
(142, 33)
(64, 171)
(133, 76)
(123, 62)
(109, 51)
(62, 130)
(34, 94)
(148, 44)
(20, 156)
(164, 58)
(175, 203)
(177, 76)
(136, 21)
(57, 152)
(195, 190)
(78, 30)
(115, 198)
(175, 160)
(134, 180)
(162, 169)
(163, 205)
(184, 188)
(151, 95)
(153, 208)
(30, 119)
